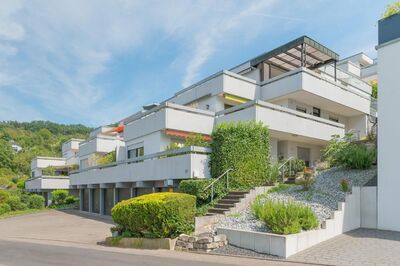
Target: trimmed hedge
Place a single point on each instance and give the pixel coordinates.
(156, 215)
(244, 147)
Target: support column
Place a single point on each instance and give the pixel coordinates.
(90, 200)
(102, 201)
(133, 192)
(49, 198)
(81, 198)
(115, 191)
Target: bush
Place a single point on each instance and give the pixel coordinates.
(243, 147)
(344, 185)
(36, 202)
(59, 196)
(274, 175)
(196, 140)
(295, 166)
(285, 218)
(16, 204)
(156, 215)
(306, 181)
(4, 208)
(356, 156)
(70, 200)
(4, 195)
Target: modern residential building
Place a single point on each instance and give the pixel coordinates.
(389, 130)
(300, 90)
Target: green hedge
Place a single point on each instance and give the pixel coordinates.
(157, 215)
(36, 202)
(285, 218)
(15, 203)
(244, 147)
(59, 196)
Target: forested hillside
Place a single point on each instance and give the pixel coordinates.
(37, 138)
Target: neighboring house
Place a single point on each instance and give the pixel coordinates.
(15, 147)
(300, 90)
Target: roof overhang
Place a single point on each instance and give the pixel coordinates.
(301, 52)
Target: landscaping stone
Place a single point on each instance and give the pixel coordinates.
(205, 242)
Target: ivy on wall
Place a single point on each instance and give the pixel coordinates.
(243, 147)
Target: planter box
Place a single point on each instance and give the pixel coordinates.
(141, 243)
(346, 218)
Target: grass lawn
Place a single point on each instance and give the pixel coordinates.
(28, 211)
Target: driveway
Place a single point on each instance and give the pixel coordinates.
(70, 238)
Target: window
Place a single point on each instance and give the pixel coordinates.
(316, 112)
(301, 109)
(334, 119)
(134, 153)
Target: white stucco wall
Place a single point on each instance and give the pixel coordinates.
(389, 132)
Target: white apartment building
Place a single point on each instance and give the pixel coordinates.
(300, 90)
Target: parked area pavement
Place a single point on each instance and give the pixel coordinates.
(70, 238)
(358, 247)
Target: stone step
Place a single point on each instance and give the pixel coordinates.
(217, 210)
(224, 205)
(228, 201)
(238, 193)
(236, 197)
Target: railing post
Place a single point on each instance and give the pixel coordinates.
(227, 181)
(212, 193)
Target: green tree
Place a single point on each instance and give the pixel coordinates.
(392, 9)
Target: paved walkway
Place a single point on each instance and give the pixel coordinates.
(358, 247)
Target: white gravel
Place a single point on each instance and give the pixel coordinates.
(323, 198)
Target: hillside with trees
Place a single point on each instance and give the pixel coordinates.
(31, 139)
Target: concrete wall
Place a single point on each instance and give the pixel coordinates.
(389, 132)
(369, 207)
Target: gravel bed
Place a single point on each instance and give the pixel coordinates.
(232, 250)
(323, 198)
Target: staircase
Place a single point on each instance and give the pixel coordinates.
(227, 202)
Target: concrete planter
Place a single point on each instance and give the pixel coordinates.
(346, 218)
(141, 243)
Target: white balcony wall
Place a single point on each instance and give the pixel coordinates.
(184, 166)
(305, 80)
(99, 145)
(72, 144)
(170, 116)
(217, 84)
(152, 143)
(47, 183)
(281, 119)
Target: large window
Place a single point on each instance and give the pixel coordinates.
(301, 109)
(136, 152)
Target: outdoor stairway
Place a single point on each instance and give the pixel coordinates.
(227, 202)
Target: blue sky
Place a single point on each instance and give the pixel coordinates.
(95, 62)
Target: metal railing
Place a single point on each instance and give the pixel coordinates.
(289, 160)
(226, 173)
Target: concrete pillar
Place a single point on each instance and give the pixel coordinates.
(81, 192)
(115, 192)
(90, 200)
(49, 198)
(102, 201)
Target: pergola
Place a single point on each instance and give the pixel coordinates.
(301, 52)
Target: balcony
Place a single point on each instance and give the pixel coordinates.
(284, 123)
(169, 116)
(339, 97)
(99, 144)
(223, 82)
(46, 183)
(184, 163)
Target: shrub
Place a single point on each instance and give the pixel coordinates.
(196, 140)
(307, 180)
(344, 185)
(4, 196)
(4, 208)
(156, 215)
(334, 147)
(108, 158)
(16, 204)
(243, 147)
(196, 187)
(59, 196)
(295, 166)
(392, 9)
(285, 218)
(24, 198)
(356, 156)
(36, 202)
(70, 200)
(274, 175)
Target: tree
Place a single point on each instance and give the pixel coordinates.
(392, 9)
(6, 155)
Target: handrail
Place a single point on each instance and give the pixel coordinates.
(289, 160)
(216, 179)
